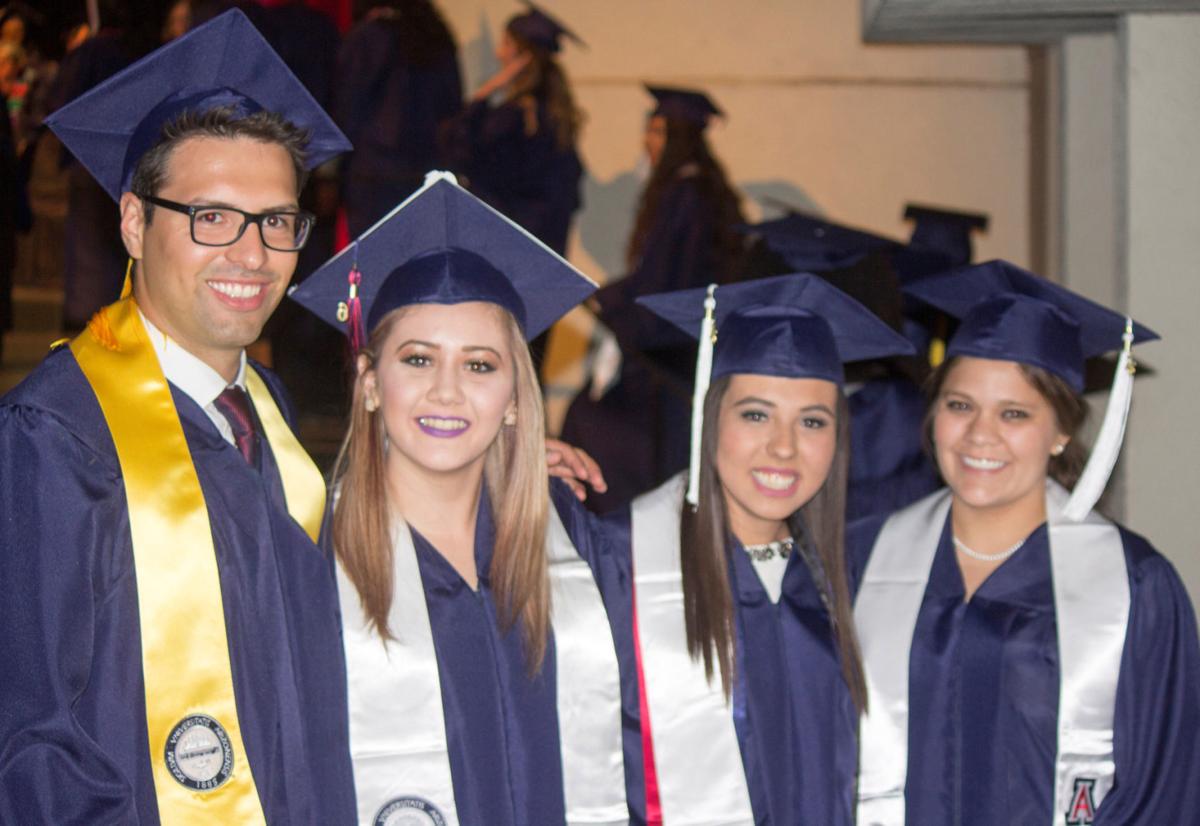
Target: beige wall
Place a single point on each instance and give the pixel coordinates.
(1159, 226)
(816, 117)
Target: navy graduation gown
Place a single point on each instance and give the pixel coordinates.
(93, 257)
(889, 468)
(525, 176)
(501, 721)
(678, 254)
(72, 705)
(984, 692)
(391, 109)
(638, 431)
(795, 721)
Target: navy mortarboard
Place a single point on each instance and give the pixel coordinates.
(812, 244)
(1009, 314)
(944, 230)
(442, 246)
(223, 63)
(687, 104)
(541, 29)
(792, 326)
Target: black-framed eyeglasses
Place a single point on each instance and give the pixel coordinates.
(221, 226)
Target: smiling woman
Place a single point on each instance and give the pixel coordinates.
(1038, 662)
(449, 384)
(470, 699)
(735, 602)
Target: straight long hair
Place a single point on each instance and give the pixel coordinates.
(687, 148)
(705, 547)
(515, 476)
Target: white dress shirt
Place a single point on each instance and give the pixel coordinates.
(197, 380)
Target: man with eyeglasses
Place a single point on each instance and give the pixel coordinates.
(171, 648)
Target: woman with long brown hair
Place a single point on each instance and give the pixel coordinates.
(1027, 660)
(482, 678)
(735, 602)
(519, 154)
(684, 236)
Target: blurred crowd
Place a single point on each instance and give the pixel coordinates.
(388, 72)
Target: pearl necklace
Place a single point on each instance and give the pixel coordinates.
(996, 557)
(768, 550)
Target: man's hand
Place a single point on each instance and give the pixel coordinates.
(575, 467)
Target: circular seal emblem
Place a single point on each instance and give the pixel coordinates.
(409, 811)
(198, 753)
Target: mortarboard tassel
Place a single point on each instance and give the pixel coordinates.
(1100, 464)
(704, 359)
(357, 333)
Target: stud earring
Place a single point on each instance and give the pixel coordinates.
(371, 403)
(510, 418)
(1057, 450)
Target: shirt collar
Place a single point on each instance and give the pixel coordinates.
(197, 380)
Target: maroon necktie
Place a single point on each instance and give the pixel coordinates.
(235, 407)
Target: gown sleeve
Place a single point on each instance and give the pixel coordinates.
(485, 140)
(1156, 729)
(61, 506)
(677, 255)
(361, 62)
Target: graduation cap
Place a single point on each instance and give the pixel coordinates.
(691, 105)
(791, 326)
(812, 244)
(223, 63)
(945, 230)
(541, 29)
(442, 245)
(1010, 314)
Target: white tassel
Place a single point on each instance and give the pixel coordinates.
(708, 337)
(1095, 476)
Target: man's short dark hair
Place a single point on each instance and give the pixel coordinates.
(222, 122)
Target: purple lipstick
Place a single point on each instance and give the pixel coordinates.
(443, 427)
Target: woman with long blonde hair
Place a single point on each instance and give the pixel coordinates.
(482, 678)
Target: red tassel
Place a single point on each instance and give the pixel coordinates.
(358, 335)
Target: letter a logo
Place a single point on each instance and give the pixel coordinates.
(1082, 810)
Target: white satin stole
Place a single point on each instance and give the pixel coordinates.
(1091, 598)
(701, 779)
(397, 728)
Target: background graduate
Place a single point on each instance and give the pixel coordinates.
(1039, 663)
(683, 237)
(397, 83)
(736, 601)
(483, 681)
(519, 155)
